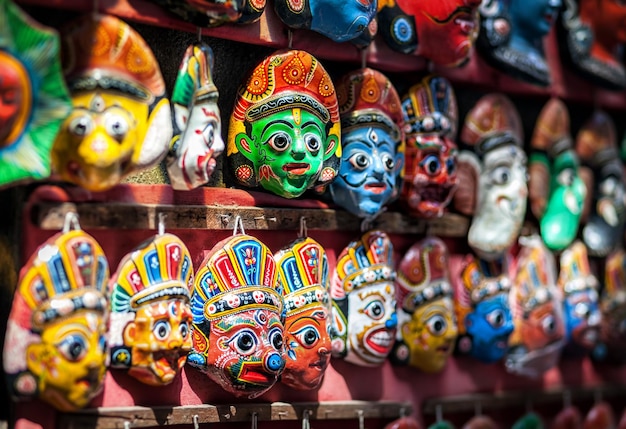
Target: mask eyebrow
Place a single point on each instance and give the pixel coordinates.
(277, 121)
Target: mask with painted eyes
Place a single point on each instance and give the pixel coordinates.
(212, 13)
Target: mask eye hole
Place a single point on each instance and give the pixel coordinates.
(276, 339)
(496, 318)
(116, 126)
(184, 329)
(360, 161)
(548, 324)
(245, 342)
(431, 165)
(307, 336)
(73, 347)
(280, 142)
(388, 162)
(437, 325)
(162, 329)
(312, 143)
(81, 126)
(375, 310)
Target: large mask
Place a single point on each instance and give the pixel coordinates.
(197, 125)
(150, 324)
(442, 31)
(284, 132)
(431, 115)
(212, 13)
(557, 192)
(238, 317)
(303, 273)
(338, 20)
(539, 335)
(121, 122)
(512, 34)
(33, 97)
(55, 340)
(426, 322)
(492, 177)
(372, 139)
(364, 301)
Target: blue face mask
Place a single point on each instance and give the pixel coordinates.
(490, 325)
(582, 318)
(531, 21)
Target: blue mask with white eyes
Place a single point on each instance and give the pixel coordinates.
(490, 325)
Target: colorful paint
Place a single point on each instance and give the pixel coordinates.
(208, 13)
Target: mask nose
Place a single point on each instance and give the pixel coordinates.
(274, 362)
(392, 322)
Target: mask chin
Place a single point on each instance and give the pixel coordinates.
(533, 363)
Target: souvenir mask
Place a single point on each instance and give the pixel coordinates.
(149, 332)
(529, 420)
(284, 132)
(338, 20)
(372, 143)
(33, 97)
(442, 31)
(207, 13)
(580, 297)
(426, 322)
(539, 334)
(364, 302)
(492, 178)
(596, 144)
(55, 344)
(121, 122)
(237, 317)
(303, 273)
(197, 125)
(482, 309)
(553, 161)
(431, 115)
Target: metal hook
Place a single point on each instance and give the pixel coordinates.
(361, 419)
(238, 225)
(289, 38)
(199, 34)
(306, 424)
(402, 412)
(567, 399)
(303, 229)
(71, 222)
(439, 413)
(126, 424)
(255, 416)
(364, 57)
(196, 424)
(161, 223)
(478, 408)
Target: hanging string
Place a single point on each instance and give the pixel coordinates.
(255, 416)
(161, 223)
(71, 222)
(306, 424)
(289, 38)
(361, 419)
(238, 226)
(303, 229)
(196, 424)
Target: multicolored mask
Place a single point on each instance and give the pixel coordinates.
(238, 317)
(284, 132)
(482, 309)
(338, 20)
(553, 161)
(492, 178)
(121, 122)
(431, 115)
(150, 324)
(197, 125)
(364, 301)
(580, 297)
(426, 321)
(206, 13)
(596, 144)
(33, 97)
(55, 344)
(303, 273)
(442, 31)
(539, 335)
(372, 143)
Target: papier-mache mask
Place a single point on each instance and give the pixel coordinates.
(364, 300)
(197, 125)
(55, 340)
(121, 122)
(238, 317)
(539, 335)
(442, 31)
(426, 321)
(284, 132)
(372, 139)
(303, 273)
(557, 192)
(492, 177)
(33, 96)
(339, 20)
(150, 322)
(212, 13)
(431, 115)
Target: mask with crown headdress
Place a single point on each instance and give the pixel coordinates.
(364, 300)
(303, 274)
(150, 322)
(55, 340)
(238, 317)
(213, 13)
(426, 322)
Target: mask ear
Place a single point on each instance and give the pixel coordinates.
(158, 136)
(468, 172)
(129, 333)
(538, 190)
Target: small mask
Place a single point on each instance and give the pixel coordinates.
(121, 122)
(492, 177)
(442, 31)
(55, 339)
(33, 97)
(238, 317)
(483, 314)
(512, 34)
(206, 13)
(150, 324)
(539, 335)
(338, 20)
(364, 301)
(284, 132)
(431, 115)
(553, 161)
(426, 322)
(372, 143)
(197, 125)
(303, 273)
